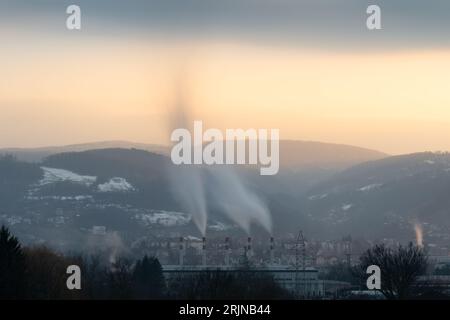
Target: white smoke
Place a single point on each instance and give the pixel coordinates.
(232, 197)
(226, 192)
(188, 189)
(419, 234)
(187, 181)
(109, 244)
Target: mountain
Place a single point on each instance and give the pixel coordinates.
(38, 154)
(146, 171)
(304, 164)
(293, 153)
(62, 198)
(15, 179)
(308, 154)
(386, 198)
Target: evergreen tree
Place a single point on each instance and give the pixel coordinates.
(12, 266)
(148, 279)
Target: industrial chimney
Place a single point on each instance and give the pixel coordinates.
(204, 251)
(227, 251)
(249, 247)
(181, 251)
(272, 260)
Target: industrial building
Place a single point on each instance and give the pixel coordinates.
(300, 280)
(301, 283)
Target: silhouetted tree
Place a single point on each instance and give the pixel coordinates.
(400, 269)
(12, 266)
(148, 279)
(119, 279)
(46, 274)
(95, 278)
(223, 285)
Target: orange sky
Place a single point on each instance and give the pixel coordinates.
(55, 91)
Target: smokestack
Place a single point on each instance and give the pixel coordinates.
(181, 251)
(249, 247)
(204, 251)
(271, 251)
(227, 251)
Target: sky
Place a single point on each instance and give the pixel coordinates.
(309, 68)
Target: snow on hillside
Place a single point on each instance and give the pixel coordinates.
(318, 196)
(219, 226)
(370, 187)
(346, 206)
(164, 218)
(192, 238)
(14, 219)
(115, 184)
(59, 198)
(52, 175)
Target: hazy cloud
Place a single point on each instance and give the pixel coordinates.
(317, 23)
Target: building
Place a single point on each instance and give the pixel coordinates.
(99, 230)
(302, 283)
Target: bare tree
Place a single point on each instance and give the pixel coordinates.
(120, 279)
(400, 269)
(46, 274)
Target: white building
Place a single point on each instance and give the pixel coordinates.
(99, 230)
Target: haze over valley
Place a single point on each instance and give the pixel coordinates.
(60, 196)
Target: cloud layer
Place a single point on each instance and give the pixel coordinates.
(318, 23)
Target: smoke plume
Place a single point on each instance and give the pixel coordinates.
(187, 181)
(419, 234)
(225, 188)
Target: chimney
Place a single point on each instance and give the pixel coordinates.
(249, 247)
(181, 251)
(227, 251)
(204, 251)
(272, 260)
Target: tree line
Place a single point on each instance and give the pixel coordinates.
(40, 273)
(405, 272)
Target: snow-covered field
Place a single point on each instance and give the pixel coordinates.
(219, 226)
(370, 187)
(318, 196)
(52, 175)
(164, 218)
(60, 198)
(347, 206)
(115, 184)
